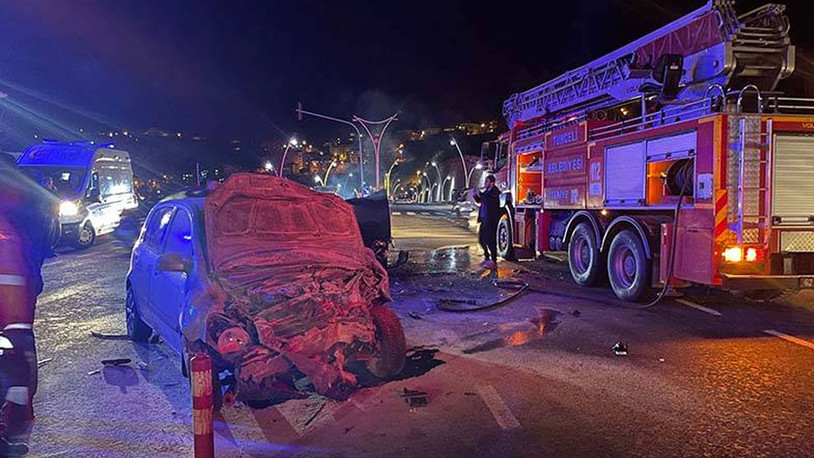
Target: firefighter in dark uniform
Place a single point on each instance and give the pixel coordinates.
(28, 231)
(488, 217)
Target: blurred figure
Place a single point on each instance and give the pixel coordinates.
(29, 228)
(48, 183)
(488, 217)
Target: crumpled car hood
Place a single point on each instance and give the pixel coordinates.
(295, 275)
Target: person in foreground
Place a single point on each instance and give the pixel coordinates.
(28, 230)
(488, 217)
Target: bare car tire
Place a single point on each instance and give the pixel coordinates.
(392, 345)
(584, 260)
(137, 329)
(628, 266)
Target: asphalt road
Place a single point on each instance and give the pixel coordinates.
(712, 376)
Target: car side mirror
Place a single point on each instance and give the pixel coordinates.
(173, 262)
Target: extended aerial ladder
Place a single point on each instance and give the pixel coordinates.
(676, 64)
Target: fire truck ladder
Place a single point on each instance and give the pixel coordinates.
(753, 48)
(749, 175)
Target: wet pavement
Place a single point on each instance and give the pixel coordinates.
(534, 376)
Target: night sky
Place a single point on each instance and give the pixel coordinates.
(236, 69)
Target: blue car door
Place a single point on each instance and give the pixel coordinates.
(168, 290)
(145, 256)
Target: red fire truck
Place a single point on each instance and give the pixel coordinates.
(673, 161)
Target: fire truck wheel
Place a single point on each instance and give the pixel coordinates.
(583, 256)
(628, 267)
(505, 241)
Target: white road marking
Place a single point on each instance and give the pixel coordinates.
(699, 307)
(411, 213)
(396, 213)
(503, 416)
(789, 338)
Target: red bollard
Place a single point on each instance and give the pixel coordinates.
(201, 382)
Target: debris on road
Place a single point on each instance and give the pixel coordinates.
(576, 313)
(415, 316)
(116, 361)
(44, 362)
(106, 336)
(620, 349)
(94, 372)
(315, 414)
(415, 398)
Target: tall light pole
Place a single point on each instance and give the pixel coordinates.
(477, 166)
(327, 172)
(454, 143)
(376, 139)
(291, 142)
(444, 183)
(438, 193)
(387, 175)
(301, 112)
(429, 184)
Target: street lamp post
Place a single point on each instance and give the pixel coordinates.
(301, 112)
(444, 183)
(291, 142)
(376, 139)
(454, 143)
(438, 193)
(477, 166)
(327, 172)
(429, 184)
(387, 175)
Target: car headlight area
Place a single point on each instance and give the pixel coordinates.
(68, 208)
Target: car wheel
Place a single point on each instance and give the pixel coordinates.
(505, 241)
(392, 344)
(86, 236)
(583, 256)
(628, 267)
(137, 329)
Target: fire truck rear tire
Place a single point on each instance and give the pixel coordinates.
(584, 260)
(505, 240)
(628, 266)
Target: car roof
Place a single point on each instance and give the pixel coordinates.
(182, 198)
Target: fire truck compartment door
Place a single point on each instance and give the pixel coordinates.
(793, 187)
(625, 173)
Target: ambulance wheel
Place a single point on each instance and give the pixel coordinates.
(137, 329)
(584, 260)
(86, 236)
(505, 241)
(628, 266)
(392, 345)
